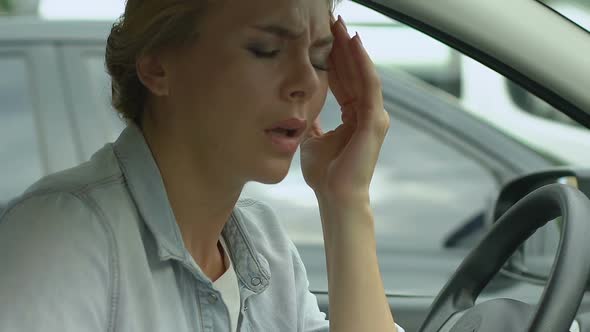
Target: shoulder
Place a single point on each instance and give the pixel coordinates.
(55, 219)
(101, 168)
(59, 216)
(56, 260)
(63, 201)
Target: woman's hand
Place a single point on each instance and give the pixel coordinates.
(339, 165)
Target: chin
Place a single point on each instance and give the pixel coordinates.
(272, 172)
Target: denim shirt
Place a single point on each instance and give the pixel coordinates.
(97, 248)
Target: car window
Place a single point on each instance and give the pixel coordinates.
(20, 155)
(424, 186)
(577, 11)
(534, 105)
(413, 52)
(422, 189)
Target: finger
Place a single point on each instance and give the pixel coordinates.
(334, 78)
(338, 137)
(336, 85)
(348, 117)
(342, 58)
(368, 77)
(342, 135)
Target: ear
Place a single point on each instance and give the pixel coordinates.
(151, 73)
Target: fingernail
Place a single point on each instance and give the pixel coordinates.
(358, 38)
(342, 22)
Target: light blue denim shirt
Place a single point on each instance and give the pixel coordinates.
(97, 248)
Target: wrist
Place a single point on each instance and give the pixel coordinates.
(346, 223)
(349, 200)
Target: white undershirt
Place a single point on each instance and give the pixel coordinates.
(227, 285)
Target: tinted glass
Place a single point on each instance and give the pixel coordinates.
(421, 190)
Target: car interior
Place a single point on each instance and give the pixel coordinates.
(517, 56)
(481, 230)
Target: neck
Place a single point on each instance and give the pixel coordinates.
(200, 199)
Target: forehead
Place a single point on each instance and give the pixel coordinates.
(298, 14)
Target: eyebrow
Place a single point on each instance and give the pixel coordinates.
(286, 33)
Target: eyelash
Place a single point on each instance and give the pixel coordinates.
(272, 54)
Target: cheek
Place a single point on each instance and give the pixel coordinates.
(319, 99)
(186, 84)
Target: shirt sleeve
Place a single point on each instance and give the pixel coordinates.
(54, 266)
(313, 319)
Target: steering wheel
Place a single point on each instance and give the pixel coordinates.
(564, 290)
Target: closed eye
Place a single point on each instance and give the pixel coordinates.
(272, 54)
(264, 54)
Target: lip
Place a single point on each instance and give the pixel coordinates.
(296, 124)
(287, 144)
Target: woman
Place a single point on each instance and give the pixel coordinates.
(149, 235)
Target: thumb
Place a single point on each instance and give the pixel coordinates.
(339, 137)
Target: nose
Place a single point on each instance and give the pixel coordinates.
(301, 82)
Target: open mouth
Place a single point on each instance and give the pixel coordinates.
(289, 128)
(285, 132)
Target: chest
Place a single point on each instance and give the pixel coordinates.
(172, 300)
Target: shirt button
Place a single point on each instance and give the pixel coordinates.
(256, 281)
(213, 298)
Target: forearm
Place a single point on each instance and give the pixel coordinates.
(357, 297)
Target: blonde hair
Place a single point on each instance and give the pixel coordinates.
(146, 27)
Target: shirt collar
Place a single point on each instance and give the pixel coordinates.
(145, 184)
